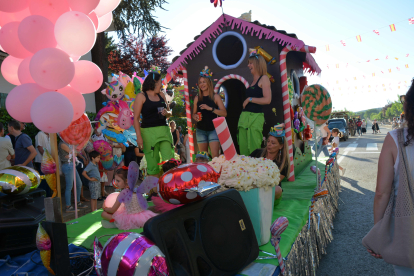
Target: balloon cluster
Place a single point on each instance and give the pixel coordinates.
(44, 40)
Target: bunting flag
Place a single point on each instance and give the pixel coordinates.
(343, 42)
(376, 31)
(383, 85)
(407, 55)
(398, 69)
(327, 48)
(354, 78)
(398, 87)
(358, 37)
(364, 76)
(396, 58)
(382, 72)
(389, 70)
(337, 82)
(392, 27)
(411, 20)
(373, 74)
(406, 66)
(386, 57)
(337, 66)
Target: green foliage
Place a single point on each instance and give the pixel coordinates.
(179, 109)
(91, 116)
(30, 129)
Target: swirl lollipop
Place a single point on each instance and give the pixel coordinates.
(78, 132)
(317, 103)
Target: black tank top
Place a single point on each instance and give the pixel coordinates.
(207, 116)
(150, 115)
(255, 92)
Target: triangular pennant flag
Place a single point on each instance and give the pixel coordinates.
(376, 31)
(407, 55)
(337, 66)
(373, 74)
(327, 48)
(389, 70)
(396, 58)
(411, 20)
(358, 37)
(406, 66)
(392, 27)
(343, 42)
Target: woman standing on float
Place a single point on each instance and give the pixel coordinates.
(153, 135)
(251, 120)
(210, 106)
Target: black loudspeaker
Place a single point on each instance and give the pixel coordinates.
(213, 236)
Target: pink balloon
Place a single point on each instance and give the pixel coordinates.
(77, 100)
(52, 112)
(24, 72)
(88, 77)
(51, 9)
(106, 6)
(20, 100)
(9, 69)
(10, 42)
(83, 6)
(37, 32)
(75, 58)
(104, 22)
(6, 17)
(110, 200)
(75, 33)
(94, 19)
(52, 68)
(13, 5)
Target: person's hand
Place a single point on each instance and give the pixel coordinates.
(8, 158)
(140, 142)
(206, 107)
(246, 101)
(195, 117)
(164, 112)
(378, 256)
(94, 179)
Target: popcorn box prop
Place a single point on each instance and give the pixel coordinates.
(259, 204)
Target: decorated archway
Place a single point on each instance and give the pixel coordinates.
(228, 77)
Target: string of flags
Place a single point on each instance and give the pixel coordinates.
(337, 65)
(359, 37)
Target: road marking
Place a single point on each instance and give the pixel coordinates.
(372, 146)
(366, 152)
(351, 147)
(342, 157)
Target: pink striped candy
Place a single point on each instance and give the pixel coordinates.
(224, 136)
(279, 226)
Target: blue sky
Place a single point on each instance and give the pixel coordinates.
(319, 23)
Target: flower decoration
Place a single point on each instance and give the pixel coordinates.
(278, 130)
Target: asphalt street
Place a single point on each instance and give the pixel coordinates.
(346, 255)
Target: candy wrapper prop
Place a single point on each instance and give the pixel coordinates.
(48, 167)
(277, 228)
(105, 150)
(317, 104)
(44, 244)
(265, 55)
(188, 183)
(224, 136)
(255, 179)
(129, 254)
(19, 180)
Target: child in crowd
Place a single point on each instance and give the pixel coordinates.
(202, 157)
(132, 213)
(91, 172)
(335, 144)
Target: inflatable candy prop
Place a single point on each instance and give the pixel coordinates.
(44, 244)
(78, 133)
(149, 183)
(223, 133)
(317, 104)
(277, 228)
(129, 254)
(105, 151)
(48, 168)
(125, 117)
(114, 91)
(188, 183)
(19, 180)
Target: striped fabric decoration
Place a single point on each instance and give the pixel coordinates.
(406, 66)
(392, 27)
(376, 31)
(411, 20)
(358, 37)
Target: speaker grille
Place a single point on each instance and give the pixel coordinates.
(225, 242)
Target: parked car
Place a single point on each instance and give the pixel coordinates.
(340, 124)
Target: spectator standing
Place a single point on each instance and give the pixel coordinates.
(24, 150)
(359, 127)
(176, 136)
(92, 174)
(364, 126)
(6, 150)
(42, 143)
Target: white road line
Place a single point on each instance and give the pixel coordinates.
(366, 152)
(342, 157)
(351, 147)
(372, 146)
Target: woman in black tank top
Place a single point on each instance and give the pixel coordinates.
(250, 127)
(210, 106)
(153, 134)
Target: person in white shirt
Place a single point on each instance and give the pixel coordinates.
(335, 144)
(6, 150)
(42, 143)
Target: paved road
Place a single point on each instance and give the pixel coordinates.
(346, 255)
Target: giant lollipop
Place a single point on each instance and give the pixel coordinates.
(78, 132)
(316, 103)
(188, 183)
(19, 180)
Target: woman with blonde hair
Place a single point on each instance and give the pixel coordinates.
(209, 106)
(250, 127)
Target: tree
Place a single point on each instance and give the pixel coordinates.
(131, 16)
(137, 54)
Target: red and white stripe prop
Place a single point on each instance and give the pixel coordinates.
(229, 77)
(224, 136)
(286, 103)
(167, 78)
(276, 230)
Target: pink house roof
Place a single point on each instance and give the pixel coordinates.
(245, 27)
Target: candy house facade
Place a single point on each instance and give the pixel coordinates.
(224, 48)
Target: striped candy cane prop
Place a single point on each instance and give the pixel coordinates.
(165, 81)
(228, 77)
(285, 95)
(276, 230)
(224, 136)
